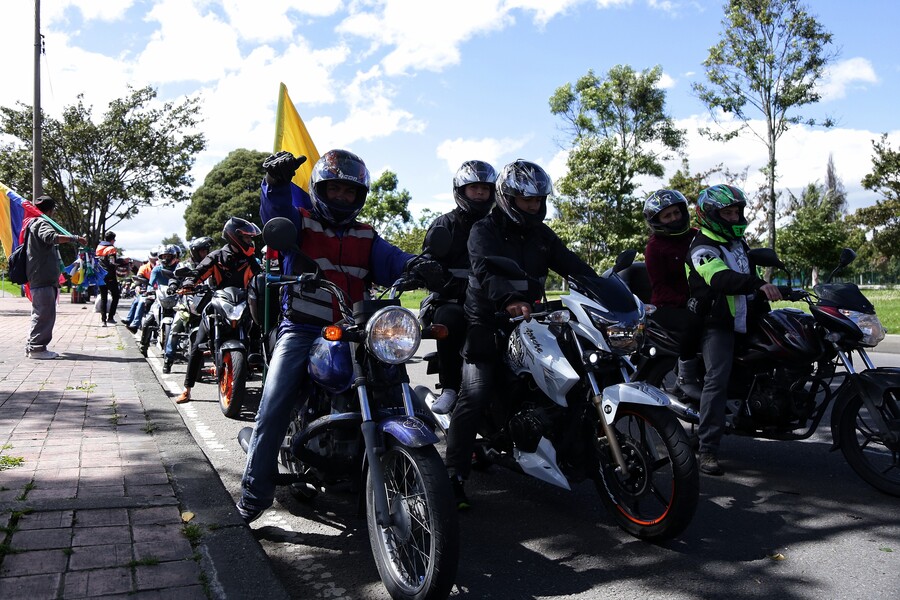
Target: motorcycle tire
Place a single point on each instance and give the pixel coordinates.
(657, 499)
(863, 446)
(418, 556)
(232, 379)
(288, 465)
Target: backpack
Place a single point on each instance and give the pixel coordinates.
(18, 273)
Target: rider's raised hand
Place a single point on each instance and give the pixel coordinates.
(281, 166)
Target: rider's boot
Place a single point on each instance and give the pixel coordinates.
(689, 378)
(444, 403)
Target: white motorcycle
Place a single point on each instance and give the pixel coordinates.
(567, 410)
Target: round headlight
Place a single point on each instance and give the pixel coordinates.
(393, 335)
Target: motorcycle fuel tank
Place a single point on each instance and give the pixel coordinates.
(533, 349)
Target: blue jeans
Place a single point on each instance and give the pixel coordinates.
(139, 312)
(133, 309)
(287, 371)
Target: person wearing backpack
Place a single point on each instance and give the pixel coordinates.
(44, 267)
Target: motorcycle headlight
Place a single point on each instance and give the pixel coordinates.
(869, 324)
(624, 339)
(393, 335)
(235, 312)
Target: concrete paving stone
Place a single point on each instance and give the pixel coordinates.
(41, 539)
(100, 460)
(101, 491)
(52, 519)
(176, 550)
(30, 587)
(63, 462)
(158, 533)
(59, 474)
(98, 536)
(137, 491)
(167, 574)
(16, 477)
(52, 493)
(101, 517)
(96, 557)
(193, 592)
(97, 582)
(34, 563)
(157, 515)
(101, 473)
(155, 478)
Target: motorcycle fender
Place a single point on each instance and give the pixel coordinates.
(228, 345)
(872, 383)
(409, 431)
(635, 392)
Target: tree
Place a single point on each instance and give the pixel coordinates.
(174, 240)
(882, 218)
(101, 173)
(386, 209)
(619, 131)
(816, 234)
(769, 58)
(230, 189)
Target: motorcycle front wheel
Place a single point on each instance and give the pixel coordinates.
(232, 378)
(864, 446)
(417, 555)
(657, 498)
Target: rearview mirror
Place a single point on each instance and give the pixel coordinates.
(281, 234)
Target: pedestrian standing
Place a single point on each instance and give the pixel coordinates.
(109, 292)
(44, 266)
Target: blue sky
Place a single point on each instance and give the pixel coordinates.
(418, 87)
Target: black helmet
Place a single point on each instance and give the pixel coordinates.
(715, 198)
(658, 202)
(167, 254)
(238, 233)
(109, 236)
(343, 166)
(474, 171)
(523, 178)
(199, 244)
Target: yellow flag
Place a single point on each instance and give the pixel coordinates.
(291, 135)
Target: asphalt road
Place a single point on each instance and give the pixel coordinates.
(789, 520)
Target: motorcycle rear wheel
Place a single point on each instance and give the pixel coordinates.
(863, 445)
(657, 499)
(417, 557)
(232, 380)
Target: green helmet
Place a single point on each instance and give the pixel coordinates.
(715, 198)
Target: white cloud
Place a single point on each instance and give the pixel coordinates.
(492, 150)
(102, 10)
(854, 72)
(666, 82)
(268, 20)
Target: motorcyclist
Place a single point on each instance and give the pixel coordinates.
(131, 322)
(671, 234)
(725, 292)
(473, 191)
(513, 229)
(232, 265)
(197, 250)
(348, 253)
(159, 276)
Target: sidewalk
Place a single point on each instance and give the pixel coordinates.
(103, 491)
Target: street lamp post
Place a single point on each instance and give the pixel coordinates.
(36, 183)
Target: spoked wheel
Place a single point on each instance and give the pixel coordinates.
(232, 377)
(417, 555)
(301, 491)
(657, 498)
(867, 448)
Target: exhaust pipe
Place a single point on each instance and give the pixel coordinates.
(684, 411)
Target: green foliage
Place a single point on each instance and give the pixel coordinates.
(387, 209)
(231, 189)
(104, 172)
(883, 218)
(769, 59)
(174, 240)
(620, 132)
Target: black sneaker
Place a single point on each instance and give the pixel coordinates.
(111, 320)
(167, 367)
(248, 514)
(709, 464)
(459, 494)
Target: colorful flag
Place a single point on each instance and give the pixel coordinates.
(15, 211)
(291, 135)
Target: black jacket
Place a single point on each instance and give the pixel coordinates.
(536, 250)
(227, 268)
(456, 261)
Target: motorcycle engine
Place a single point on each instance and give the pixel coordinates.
(783, 397)
(528, 426)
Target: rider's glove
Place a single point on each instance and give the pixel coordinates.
(430, 272)
(280, 167)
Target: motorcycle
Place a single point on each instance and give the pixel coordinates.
(361, 423)
(158, 321)
(785, 372)
(229, 341)
(567, 410)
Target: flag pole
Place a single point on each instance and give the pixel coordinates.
(37, 188)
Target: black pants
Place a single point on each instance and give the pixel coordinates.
(450, 348)
(110, 288)
(196, 357)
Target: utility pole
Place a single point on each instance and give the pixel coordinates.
(37, 188)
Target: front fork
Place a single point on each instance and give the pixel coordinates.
(608, 430)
